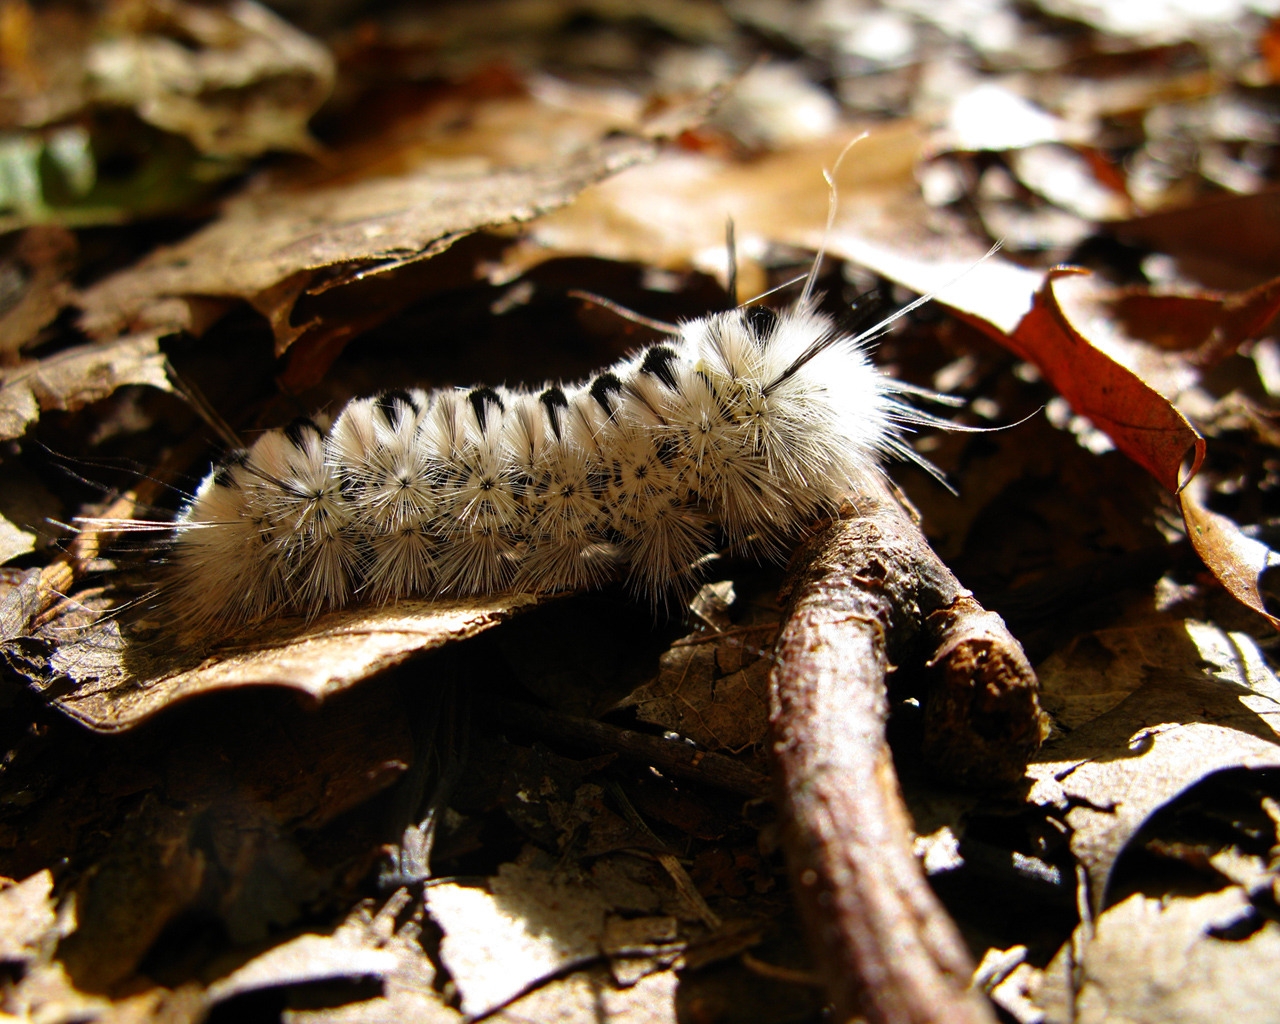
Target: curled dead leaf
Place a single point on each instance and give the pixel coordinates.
(1205, 324)
(1021, 310)
(1236, 560)
(1090, 346)
(264, 249)
(1142, 423)
(1188, 704)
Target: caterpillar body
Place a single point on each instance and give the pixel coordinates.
(742, 427)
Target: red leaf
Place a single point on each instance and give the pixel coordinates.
(1134, 415)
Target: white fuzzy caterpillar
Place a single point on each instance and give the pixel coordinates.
(748, 424)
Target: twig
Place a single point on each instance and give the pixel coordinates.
(669, 861)
(675, 757)
(866, 590)
(34, 602)
(30, 603)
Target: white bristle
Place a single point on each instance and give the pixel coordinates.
(742, 427)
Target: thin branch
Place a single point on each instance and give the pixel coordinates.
(865, 591)
(675, 757)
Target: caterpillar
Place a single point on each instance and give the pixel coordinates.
(741, 427)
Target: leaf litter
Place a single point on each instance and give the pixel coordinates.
(1158, 683)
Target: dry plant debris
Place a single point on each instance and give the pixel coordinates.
(262, 210)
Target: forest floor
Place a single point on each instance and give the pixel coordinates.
(220, 217)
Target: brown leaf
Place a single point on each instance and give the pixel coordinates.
(1209, 325)
(46, 992)
(1236, 560)
(151, 872)
(1021, 310)
(14, 540)
(265, 247)
(73, 378)
(42, 260)
(30, 925)
(537, 919)
(1085, 340)
(532, 921)
(1162, 959)
(671, 213)
(110, 683)
(1224, 240)
(233, 78)
(1201, 705)
(1119, 356)
(441, 170)
(236, 79)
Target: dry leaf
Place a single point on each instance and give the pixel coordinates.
(30, 924)
(1206, 325)
(1224, 240)
(134, 108)
(1236, 560)
(1164, 959)
(1203, 701)
(75, 377)
(671, 213)
(265, 248)
(47, 993)
(1118, 399)
(224, 827)
(531, 923)
(537, 919)
(406, 195)
(14, 541)
(109, 682)
(1083, 349)
(693, 696)
(1096, 671)
(151, 872)
(233, 78)
(1179, 726)
(38, 268)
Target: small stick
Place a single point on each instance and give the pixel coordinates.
(30, 603)
(36, 598)
(866, 590)
(674, 757)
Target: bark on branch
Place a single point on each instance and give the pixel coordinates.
(866, 591)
